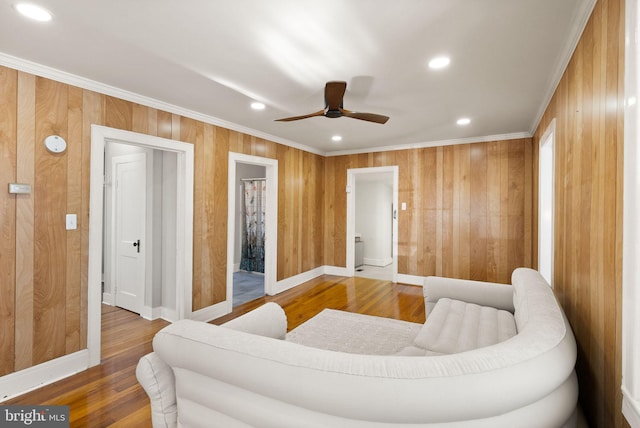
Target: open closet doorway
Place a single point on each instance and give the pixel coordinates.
(372, 226)
(140, 230)
(252, 234)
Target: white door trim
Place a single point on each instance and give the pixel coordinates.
(100, 135)
(271, 222)
(351, 214)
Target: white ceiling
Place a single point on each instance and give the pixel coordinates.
(212, 58)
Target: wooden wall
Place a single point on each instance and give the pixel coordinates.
(43, 267)
(588, 108)
(468, 208)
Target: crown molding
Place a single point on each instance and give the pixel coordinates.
(92, 85)
(469, 140)
(578, 25)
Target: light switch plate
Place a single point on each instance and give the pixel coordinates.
(72, 222)
(19, 188)
(404, 206)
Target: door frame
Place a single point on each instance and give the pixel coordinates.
(352, 173)
(100, 135)
(271, 222)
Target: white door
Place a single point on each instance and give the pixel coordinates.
(129, 172)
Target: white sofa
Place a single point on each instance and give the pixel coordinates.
(243, 374)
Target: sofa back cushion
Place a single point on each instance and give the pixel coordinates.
(456, 326)
(530, 290)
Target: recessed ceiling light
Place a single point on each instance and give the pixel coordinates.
(463, 121)
(257, 106)
(34, 12)
(336, 138)
(439, 62)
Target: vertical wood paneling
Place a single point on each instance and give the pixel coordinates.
(8, 109)
(329, 211)
(404, 217)
(465, 214)
(140, 119)
(25, 219)
(118, 113)
(515, 208)
(217, 217)
(93, 106)
(438, 206)
(49, 193)
(339, 244)
(588, 108)
(202, 274)
(74, 206)
(429, 229)
(44, 267)
(164, 124)
(493, 210)
(478, 211)
(529, 210)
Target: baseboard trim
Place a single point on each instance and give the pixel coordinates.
(26, 380)
(410, 279)
(212, 312)
(293, 281)
(377, 262)
(630, 409)
(150, 313)
(162, 312)
(107, 299)
(169, 314)
(335, 270)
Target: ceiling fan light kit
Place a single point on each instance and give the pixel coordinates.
(333, 106)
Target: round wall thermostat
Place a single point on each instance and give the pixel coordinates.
(55, 144)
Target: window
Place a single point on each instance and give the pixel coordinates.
(546, 202)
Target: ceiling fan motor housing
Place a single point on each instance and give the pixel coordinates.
(333, 113)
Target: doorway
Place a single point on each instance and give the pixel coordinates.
(372, 226)
(178, 267)
(242, 167)
(248, 272)
(140, 230)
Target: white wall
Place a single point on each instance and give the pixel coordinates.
(243, 171)
(373, 219)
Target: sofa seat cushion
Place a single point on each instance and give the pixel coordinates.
(455, 326)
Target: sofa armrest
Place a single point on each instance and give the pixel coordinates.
(499, 296)
(157, 379)
(268, 320)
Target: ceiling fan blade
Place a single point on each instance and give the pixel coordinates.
(333, 94)
(289, 119)
(369, 117)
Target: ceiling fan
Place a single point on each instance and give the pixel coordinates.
(333, 95)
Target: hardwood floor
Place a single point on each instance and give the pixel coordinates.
(109, 395)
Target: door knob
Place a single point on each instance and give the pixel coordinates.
(137, 245)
